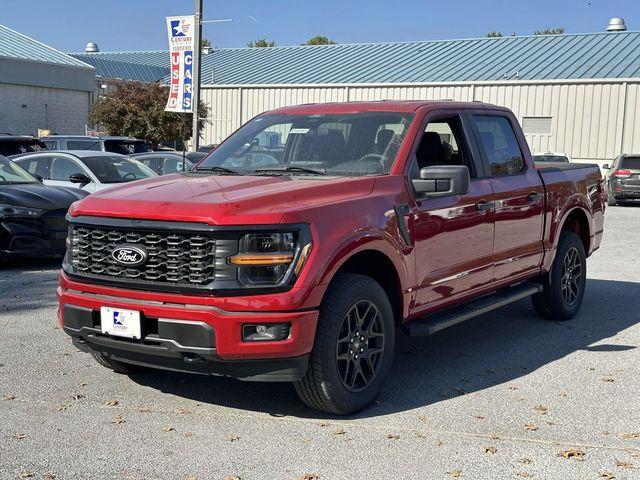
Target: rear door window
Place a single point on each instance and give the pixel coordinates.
(501, 151)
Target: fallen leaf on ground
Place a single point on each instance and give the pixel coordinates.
(339, 431)
(524, 474)
(494, 437)
(624, 464)
(188, 434)
(607, 474)
(48, 476)
(439, 443)
(60, 407)
(572, 453)
(309, 476)
(530, 426)
(9, 397)
(82, 384)
(512, 387)
(233, 438)
(232, 477)
(168, 429)
(393, 436)
(183, 411)
(118, 419)
(111, 403)
(608, 379)
(525, 461)
(629, 435)
(562, 394)
(421, 435)
(479, 417)
(422, 418)
(144, 410)
(541, 409)
(77, 396)
(490, 449)
(20, 436)
(190, 477)
(26, 475)
(455, 473)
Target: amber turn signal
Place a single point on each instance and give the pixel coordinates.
(303, 258)
(261, 259)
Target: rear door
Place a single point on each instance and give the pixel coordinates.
(453, 235)
(518, 194)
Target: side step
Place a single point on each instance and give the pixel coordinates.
(439, 321)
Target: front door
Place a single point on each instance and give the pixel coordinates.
(518, 196)
(453, 235)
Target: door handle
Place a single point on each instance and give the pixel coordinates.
(483, 206)
(535, 196)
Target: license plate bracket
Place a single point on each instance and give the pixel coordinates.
(120, 322)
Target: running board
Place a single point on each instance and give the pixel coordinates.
(439, 321)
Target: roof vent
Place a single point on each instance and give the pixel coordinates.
(206, 50)
(616, 24)
(91, 48)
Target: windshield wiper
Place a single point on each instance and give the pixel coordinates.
(290, 169)
(223, 170)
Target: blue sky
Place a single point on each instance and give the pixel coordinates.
(139, 24)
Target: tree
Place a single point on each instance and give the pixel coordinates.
(550, 31)
(137, 109)
(261, 42)
(319, 40)
(494, 34)
(205, 43)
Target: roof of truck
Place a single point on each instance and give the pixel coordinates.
(377, 106)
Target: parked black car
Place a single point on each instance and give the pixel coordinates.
(16, 144)
(32, 215)
(622, 179)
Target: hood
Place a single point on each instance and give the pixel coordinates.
(37, 195)
(219, 199)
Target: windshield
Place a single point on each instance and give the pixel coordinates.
(550, 158)
(125, 147)
(337, 145)
(12, 173)
(17, 146)
(117, 169)
(630, 163)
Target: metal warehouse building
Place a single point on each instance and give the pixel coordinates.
(577, 93)
(41, 87)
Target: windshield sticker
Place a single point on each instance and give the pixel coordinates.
(300, 131)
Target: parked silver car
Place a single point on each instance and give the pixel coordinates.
(90, 170)
(121, 145)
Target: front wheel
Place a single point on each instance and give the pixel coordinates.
(563, 288)
(353, 349)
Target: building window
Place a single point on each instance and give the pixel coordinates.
(536, 125)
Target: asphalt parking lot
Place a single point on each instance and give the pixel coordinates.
(506, 395)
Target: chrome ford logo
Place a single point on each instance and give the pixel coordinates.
(129, 256)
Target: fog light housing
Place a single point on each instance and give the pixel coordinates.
(269, 332)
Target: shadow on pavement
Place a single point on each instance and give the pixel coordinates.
(487, 351)
(28, 284)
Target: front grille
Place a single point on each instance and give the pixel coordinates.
(174, 258)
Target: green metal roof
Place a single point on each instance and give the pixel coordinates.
(15, 45)
(126, 70)
(543, 57)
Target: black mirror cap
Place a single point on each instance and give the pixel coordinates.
(80, 178)
(39, 178)
(440, 181)
(605, 166)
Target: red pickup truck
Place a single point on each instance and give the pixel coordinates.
(296, 247)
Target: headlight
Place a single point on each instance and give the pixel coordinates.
(265, 259)
(15, 211)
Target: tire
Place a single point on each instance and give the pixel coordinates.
(611, 200)
(563, 288)
(348, 367)
(115, 365)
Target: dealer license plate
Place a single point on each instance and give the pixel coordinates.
(120, 322)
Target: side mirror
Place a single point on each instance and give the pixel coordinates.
(441, 181)
(80, 178)
(605, 166)
(39, 178)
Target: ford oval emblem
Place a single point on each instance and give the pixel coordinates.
(129, 255)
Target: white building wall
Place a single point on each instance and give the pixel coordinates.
(591, 121)
(25, 108)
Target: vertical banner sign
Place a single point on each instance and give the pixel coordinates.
(182, 33)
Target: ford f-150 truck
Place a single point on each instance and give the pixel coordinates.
(296, 259)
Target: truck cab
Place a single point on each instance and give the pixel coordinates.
(300, 258)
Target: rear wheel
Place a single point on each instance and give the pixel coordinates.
(115, 365)
(563, 288)
(353, 349)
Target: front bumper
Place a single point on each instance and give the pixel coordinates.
(30, 238)
(189, 337)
